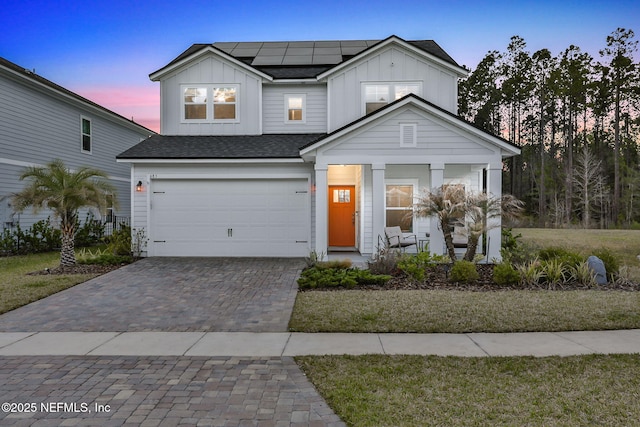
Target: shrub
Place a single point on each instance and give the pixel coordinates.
(327, 277)
(505, 274)
(101, 257)
(90, 232)
(120, 241)
(515, 251)
(531, 273)
(584, 275)
(384, 262)
(415, 266)
(463, 271)
(569, 258)
(556, 272)
(610, 262)
(339, 264)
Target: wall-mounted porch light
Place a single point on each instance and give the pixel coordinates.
(139, 186)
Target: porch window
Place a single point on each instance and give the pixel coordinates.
(295, 106)
(377, 95)
(399, 205)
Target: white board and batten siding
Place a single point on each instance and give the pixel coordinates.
(212, 70)
(392, 65)
(226, 211)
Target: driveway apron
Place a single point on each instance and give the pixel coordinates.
(171, 294)
(165, 294)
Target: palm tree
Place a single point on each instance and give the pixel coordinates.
(448, 205)
(64, 192)
(476, 212)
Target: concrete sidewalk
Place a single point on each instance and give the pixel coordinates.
(280, 344)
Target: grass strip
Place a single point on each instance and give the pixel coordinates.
(378, 390)
(435, 311)
(17, 288)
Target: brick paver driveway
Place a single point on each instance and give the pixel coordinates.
(171, 294)
(164, 294)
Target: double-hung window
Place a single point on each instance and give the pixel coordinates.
(295, 106)
(85, 135)
(209, 103)
(399, 204)
(377, 95)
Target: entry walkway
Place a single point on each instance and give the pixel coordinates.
(284, 344)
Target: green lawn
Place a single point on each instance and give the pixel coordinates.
(436, 311)
(376, 390)
(17, 288)
(624, 243)
(379, 390)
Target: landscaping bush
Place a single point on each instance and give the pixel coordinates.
(505, 274)
(331, 277)
(119, 243)
(415, 266)
(101, 257)
(90, 233)
(565, 256)
(611, 263)
(556, 272)
(40, 237)
(463, 272)
(384, 262)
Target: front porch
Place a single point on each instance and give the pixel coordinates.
(382, 195)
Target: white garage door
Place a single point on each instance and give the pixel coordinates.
(245, 217)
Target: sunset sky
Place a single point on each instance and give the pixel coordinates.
(105, 50)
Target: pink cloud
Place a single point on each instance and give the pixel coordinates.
(141, 104)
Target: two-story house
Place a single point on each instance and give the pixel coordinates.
(40, 121)
(281, 148)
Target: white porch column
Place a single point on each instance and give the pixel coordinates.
(494, 189)
(378, 202)
(322, 209)
(436, 241)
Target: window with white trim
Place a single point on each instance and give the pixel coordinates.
(209, 103)
(399, 204)
(295, 106)
(85, 135)
(377, 95)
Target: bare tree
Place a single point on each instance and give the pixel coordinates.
(587, 180)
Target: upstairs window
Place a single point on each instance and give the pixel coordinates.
(195, 103)
(377, 95)
(224, 103)
(295, 106)
(209, 103)
(85, 135)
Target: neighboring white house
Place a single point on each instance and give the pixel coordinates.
(40, 121)
(281, 148)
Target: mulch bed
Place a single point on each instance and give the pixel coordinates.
(438, 280)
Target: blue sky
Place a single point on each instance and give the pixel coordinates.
(105, 50)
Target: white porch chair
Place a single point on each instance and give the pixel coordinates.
(398, 240)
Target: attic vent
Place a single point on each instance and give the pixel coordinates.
(408, 134)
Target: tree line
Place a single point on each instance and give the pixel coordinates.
(576, 119)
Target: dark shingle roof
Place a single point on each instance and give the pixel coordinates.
(271, 146)
(303, 59)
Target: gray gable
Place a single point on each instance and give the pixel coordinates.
(274, 146)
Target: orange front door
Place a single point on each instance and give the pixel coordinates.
(342, 215)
